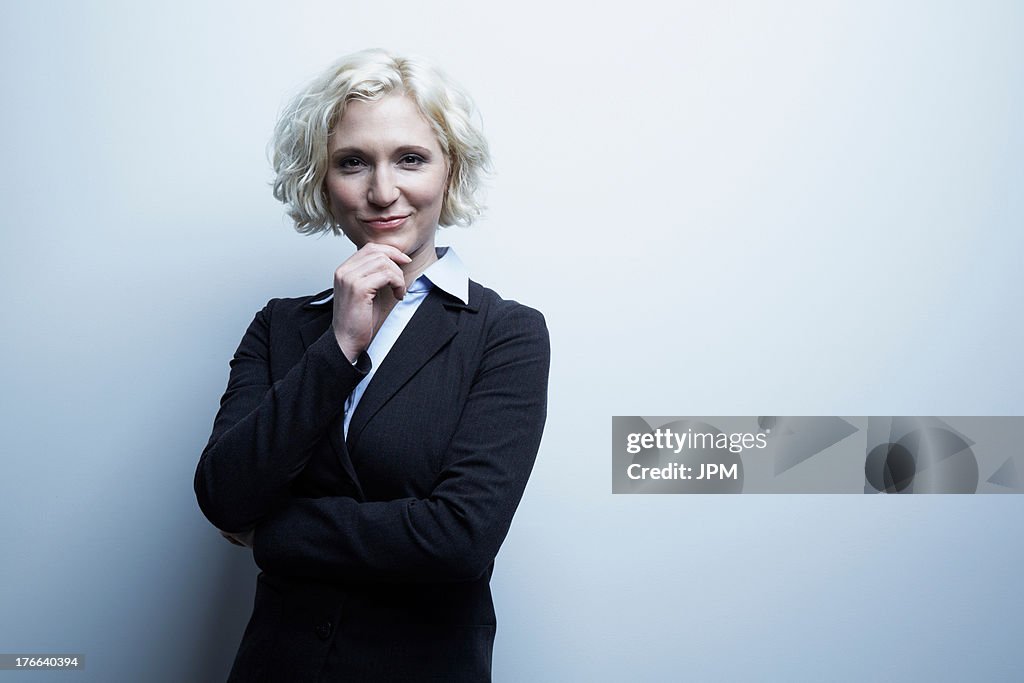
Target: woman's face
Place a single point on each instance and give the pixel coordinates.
(387, 175)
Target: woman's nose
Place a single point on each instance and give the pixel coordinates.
(383, 190)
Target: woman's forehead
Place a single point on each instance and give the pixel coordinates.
(394, 119)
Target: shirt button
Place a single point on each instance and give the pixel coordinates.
(323, 630)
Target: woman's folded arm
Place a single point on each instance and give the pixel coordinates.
(454, 533)
(264, 432)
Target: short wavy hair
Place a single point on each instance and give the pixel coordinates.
(298, 149)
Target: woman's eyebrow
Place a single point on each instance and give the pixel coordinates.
(413, 148)
(346, 150)
(358, 151)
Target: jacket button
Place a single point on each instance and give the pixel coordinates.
(323, 630)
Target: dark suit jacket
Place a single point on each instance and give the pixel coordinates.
(376, 551)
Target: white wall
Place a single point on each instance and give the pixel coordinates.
(721, 208)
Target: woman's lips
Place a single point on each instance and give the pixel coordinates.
(386, 223)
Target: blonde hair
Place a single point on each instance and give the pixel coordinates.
(298, 148)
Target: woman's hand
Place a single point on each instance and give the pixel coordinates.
(366, 287)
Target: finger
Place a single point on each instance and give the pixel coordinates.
(373, 262)
(370, 277)
(376, 280)
(394, 253)
(369, 253)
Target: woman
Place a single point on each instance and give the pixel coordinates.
(375, 438)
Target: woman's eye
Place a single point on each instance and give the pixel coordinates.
(412, 159)
(350, 163)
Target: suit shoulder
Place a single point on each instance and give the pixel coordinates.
(506, 313)
(495, 304)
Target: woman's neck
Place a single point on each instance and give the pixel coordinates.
(420, 262)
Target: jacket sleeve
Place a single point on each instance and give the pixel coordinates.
(454, 534)
(264, 432)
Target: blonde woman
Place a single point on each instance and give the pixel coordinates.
(375, 438)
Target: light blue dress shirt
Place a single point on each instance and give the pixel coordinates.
(448, 273)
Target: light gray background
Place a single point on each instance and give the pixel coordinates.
(722, 208)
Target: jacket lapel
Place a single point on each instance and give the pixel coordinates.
(431, 327)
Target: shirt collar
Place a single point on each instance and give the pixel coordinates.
(446, 273)
(449, 274)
